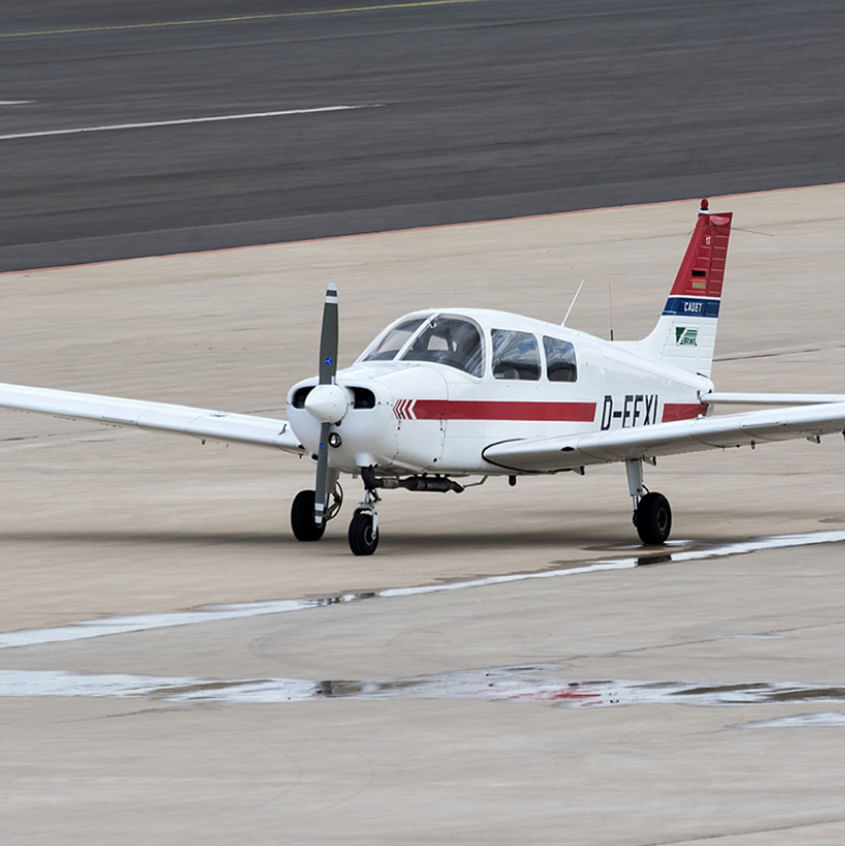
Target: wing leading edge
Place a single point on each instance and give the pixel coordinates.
(179, 419)
(551, 455)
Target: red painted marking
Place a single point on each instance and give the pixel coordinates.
(403, 409)
(573, 693)
(683, 410)
(576, 412)
(703, 267)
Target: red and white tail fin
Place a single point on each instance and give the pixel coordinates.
(685, 334)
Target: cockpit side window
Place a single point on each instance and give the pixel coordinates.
(394, 340)
(449, 340)
(561, 364)
(516, 355)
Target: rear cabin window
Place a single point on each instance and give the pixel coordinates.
(516, 355)
(451, 341)
(394, 340)
(561, 365)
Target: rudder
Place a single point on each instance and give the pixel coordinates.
(685, 334)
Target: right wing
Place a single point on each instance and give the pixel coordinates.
(551, 455)
(180, 419)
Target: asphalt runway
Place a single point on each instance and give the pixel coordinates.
(511, 666)
(468, 111)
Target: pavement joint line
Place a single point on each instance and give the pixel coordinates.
(342, 10)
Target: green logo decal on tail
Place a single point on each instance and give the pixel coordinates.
(686, 337)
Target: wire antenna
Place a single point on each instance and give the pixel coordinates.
(566, 316)
(610, 301)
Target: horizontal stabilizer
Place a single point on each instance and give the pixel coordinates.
(722, 398)
(179, 419)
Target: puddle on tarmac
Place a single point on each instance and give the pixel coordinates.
(533, 683)
(674, 552)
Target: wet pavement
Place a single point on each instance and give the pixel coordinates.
(547, 684)
(541, 683)
(677, 552)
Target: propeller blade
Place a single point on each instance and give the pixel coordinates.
(328, 368)
(328, 338)
(321, 489)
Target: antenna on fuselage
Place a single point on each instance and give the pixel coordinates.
(566, 316)
(610, 301)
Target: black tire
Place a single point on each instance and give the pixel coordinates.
(363, 539)
(302, 518)
(653, 519)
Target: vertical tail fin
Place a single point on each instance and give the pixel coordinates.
(685, 334)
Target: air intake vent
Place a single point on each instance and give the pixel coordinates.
(364, 398)
(300, 395)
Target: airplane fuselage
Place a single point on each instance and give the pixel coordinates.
(430, 406)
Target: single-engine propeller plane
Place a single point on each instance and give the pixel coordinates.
(444, 398)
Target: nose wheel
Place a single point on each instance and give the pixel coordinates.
(363, 533)
(363, 528)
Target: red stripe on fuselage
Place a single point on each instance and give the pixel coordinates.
(575, 412)
(683, 410)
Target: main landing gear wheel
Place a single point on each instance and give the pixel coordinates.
(302, 518)
(653, 518)
(363, 533)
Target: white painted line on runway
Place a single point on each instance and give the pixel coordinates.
(16, 102)
(116, 127)
(145, 622)
(737, 548)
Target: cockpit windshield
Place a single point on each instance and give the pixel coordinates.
(394, 340)
(453, 341)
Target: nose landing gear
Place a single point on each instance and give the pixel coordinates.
(363, 528)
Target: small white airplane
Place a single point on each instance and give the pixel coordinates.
(443, 395)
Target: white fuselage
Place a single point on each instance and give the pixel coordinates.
(460, 380)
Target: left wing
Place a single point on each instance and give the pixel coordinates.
(550, 455)
(180, 419)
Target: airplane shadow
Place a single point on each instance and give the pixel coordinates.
(393, 542)
(499, 539)
(164, 538)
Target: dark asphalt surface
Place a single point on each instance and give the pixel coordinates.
(487, 109)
